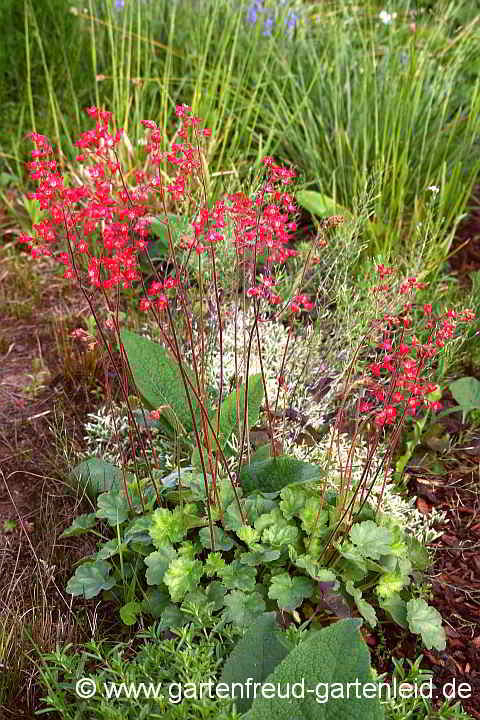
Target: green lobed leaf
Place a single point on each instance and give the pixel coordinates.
(235, 575)
(314, 518)
(371, 540)
(90, 579)
(289, 592)
(324, 663)
(111, 548)
(171, 526)
(81, 525)
(155, 601)
(241, 608)
(278, 537)
(221, 539)
(113, 508)
(427, 622)
(259, 556)
(255, 656)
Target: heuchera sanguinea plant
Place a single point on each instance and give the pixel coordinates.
(99, 229)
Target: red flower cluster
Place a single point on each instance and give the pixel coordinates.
(405, 361)
(104, 209)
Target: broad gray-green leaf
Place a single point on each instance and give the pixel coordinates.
(321, 205)
(324, 663)
(365, 609)
(96, 476)
(466, 392)
(427, 622)
(157, 563)
(113, 508)
(255, 656)
(90, 579)
(229, 422)
(397, 608)
(275, 473)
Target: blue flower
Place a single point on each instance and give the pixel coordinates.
(291, 20)
(268, 24)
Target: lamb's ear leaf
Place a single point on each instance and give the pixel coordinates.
(255, 656)
(159, 380)
(327, 659)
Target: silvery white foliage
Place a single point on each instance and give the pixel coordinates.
(107, 433)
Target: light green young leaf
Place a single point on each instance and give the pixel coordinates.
(289, 592)
(90, 579)
(112, 507)
(390, 583)
(314, 519)
(169, 526)
(182, 577)
(130, 612)
(214, 564)
(426, 621)
(157, 563)
(248, 535)
(371, 540)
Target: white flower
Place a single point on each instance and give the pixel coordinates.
(387, 17)
(434, 188)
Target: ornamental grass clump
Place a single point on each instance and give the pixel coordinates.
(247, 514)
